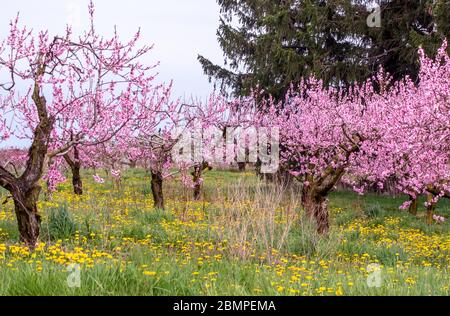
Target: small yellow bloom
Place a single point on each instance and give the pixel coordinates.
(149, 273)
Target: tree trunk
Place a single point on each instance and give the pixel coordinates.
(281, 178)
(76, 180)
(197, 185)
(430, 209)
(196, 175)
(241, 166)
(28, 218)
(316, 208)
(414, 205)
(157, 190)
(75, 167)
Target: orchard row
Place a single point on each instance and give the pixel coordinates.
(91, 102)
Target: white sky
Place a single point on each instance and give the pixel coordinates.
(180, 30)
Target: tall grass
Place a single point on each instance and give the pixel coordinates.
(269, 219)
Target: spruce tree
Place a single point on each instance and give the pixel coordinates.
(273, 43)
(406, 26)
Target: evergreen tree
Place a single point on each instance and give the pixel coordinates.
(272, 43)
(407, 25)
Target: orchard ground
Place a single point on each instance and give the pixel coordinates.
(245, 237)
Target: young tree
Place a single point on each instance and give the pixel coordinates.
(153, 137)
(207, 130)
(74, 163)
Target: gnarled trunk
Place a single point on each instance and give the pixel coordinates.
(28, 218)
(157, 190)
(25, 189)
(316, 208)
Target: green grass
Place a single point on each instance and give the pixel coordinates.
(236, 241)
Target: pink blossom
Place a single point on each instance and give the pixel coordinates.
(116, 173)
(98, 179)
(439, 219)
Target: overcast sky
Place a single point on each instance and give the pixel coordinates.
(179, 29)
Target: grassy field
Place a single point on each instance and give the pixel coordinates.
(244, 238)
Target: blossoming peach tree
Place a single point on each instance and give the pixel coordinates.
(322, 133)
(210, 122)
(415, 147)
(63, 93)
(399, 129)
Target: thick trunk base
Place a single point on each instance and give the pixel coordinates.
(316, 208)
(28, 218)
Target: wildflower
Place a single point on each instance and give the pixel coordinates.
(410, 281)
(149, 273)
